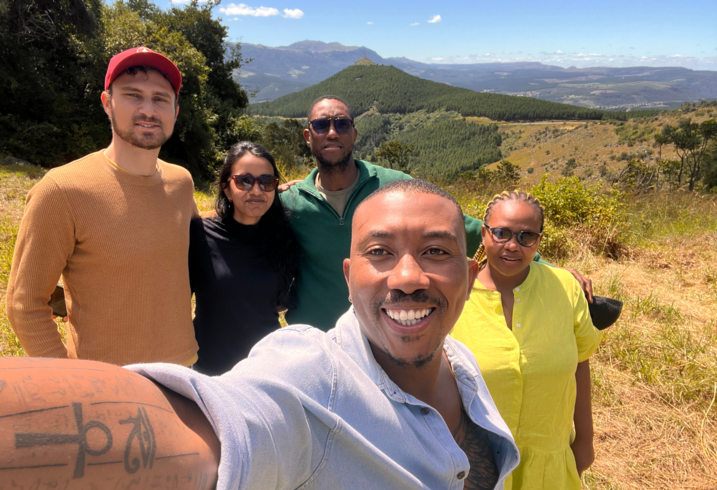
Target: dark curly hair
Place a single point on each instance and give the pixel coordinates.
(276, 235)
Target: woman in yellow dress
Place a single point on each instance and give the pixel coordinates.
(529, 326)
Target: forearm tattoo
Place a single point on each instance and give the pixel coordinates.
(107, 433)
(474, 441)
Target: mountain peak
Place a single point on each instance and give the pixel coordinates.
(319, 46)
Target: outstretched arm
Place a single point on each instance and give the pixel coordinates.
(84, 424)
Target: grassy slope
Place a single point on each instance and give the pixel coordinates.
(590, 143)
(654, 376)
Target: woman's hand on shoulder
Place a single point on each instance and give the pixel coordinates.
(287, 186)
(586, 283)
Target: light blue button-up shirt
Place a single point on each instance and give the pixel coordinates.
(314, 410)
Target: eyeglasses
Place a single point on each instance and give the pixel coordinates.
(267, 183)
(503, 235)
(342, 125)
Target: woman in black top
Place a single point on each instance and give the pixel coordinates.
(241, 262)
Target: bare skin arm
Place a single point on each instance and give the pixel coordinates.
(582, 447)
(83, 424)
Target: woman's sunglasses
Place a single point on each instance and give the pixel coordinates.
(342, 125)
(267, 183)
(503, 235)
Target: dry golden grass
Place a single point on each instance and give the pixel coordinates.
(655, 376)
(591, 143)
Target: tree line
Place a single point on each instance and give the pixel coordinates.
(53, 59)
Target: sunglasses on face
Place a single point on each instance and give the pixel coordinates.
(503, 235)
(342, 125)
(267, 183)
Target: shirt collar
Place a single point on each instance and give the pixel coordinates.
(366, 171)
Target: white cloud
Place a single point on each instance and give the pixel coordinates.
(435, 19)
(370, 23)
(415, 24)
(559, 52)
(293, 13)
(243, 9)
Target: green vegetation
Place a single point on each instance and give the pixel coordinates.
(53, 59)
(389, 90)
(396, 153)
(444, 147)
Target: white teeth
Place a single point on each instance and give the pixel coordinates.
(408, 317)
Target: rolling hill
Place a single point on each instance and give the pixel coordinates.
(387, 89)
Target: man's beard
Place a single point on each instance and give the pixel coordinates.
(135, 140)
(328, 168)
(396, 298)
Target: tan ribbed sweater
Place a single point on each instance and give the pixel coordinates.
(120, 242)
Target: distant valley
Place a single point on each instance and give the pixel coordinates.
(277, 71)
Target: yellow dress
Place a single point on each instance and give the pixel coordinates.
(530, 371)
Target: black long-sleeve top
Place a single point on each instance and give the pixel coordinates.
(236, 289)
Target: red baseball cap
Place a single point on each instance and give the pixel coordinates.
(143, 56)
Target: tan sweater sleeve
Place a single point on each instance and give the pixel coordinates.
(45, 241)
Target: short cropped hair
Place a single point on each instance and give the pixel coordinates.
(416, 186)
(330, 97)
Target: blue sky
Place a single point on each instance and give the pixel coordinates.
(564, 33)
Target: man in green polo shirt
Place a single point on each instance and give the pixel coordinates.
(322, 208)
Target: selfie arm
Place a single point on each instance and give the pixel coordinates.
(85, 424)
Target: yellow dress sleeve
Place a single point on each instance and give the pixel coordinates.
(587, 336)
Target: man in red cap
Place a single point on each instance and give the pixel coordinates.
(115, 226)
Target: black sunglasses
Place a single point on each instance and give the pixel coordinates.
(503, 235)
(267, 183)
(342, 125)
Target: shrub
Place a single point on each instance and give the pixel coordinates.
(578, 215)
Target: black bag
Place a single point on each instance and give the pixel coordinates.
(604, 311)
(57, 302)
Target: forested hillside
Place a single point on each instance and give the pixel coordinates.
(390, 90)
(445, 145)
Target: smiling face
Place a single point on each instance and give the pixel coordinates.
(408, 275)
(333, 151)
(510, 259)
(251, 205)
(142, 109)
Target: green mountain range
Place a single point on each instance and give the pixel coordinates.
(388, 90)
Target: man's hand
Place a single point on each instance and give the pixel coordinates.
(585, 283)
(584, 453)
(287, 186)
(84, 424)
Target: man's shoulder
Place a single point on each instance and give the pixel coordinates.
(87, 166)
(174, 171)
(301, 356)
(384, 175)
